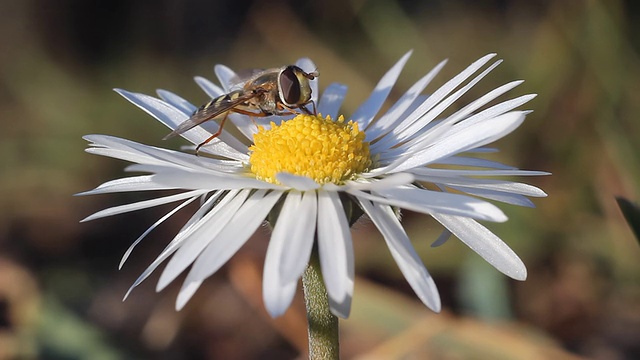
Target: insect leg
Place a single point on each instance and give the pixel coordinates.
(306, 111)
(250, 113)
(215, 135)
(287, 110)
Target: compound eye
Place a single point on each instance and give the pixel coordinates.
(289, 86)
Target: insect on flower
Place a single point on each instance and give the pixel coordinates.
(276, 91)
(418, 155)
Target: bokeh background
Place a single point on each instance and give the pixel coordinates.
(61, 292)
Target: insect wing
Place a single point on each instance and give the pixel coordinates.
(211, 110)
(253, 77)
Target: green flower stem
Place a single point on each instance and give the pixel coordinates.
(323, 325)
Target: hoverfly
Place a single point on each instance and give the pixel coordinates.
(268, 92)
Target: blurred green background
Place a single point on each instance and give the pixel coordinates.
(60, 290)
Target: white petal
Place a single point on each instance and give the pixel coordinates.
(336, 252)
(186, 292)
(341, 309)
(205, 166)
(194, 181)
(224, 141)
(210, 127)
(508, 198)
(366, 112)
(299, 232)
(486, 244)
(444, 236)
(276, 292)
(413, 135)
(332, 99)
(403, 253)
(490, 96)
(134, 183)
(206, 204)
(434, 202)
(176, 101)
(243, 224)
(486, 149)
(248, 126)
(227, 77)
(277, 296)
(507, 187)
(200, 236)
(487, 184)
(506, 171)
(179, 239)
(432, 101)
(121, 154)
(391, 181)
(211, 89)
(289, 250)
(397, 152)
(458, 140)
(151, 228)
(497, 110)
(300, 183)
(424, 135)
(423, 138)
(492, 111)
(119, 147)
(476, 162)
(393, 117)
(172, 117)
(142, 205)
(167, 114)
(145, 154)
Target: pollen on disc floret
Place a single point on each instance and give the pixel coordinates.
(320, 148)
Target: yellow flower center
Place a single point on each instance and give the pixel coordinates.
(308, 145)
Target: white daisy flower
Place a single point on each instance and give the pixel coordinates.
(310, 170)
